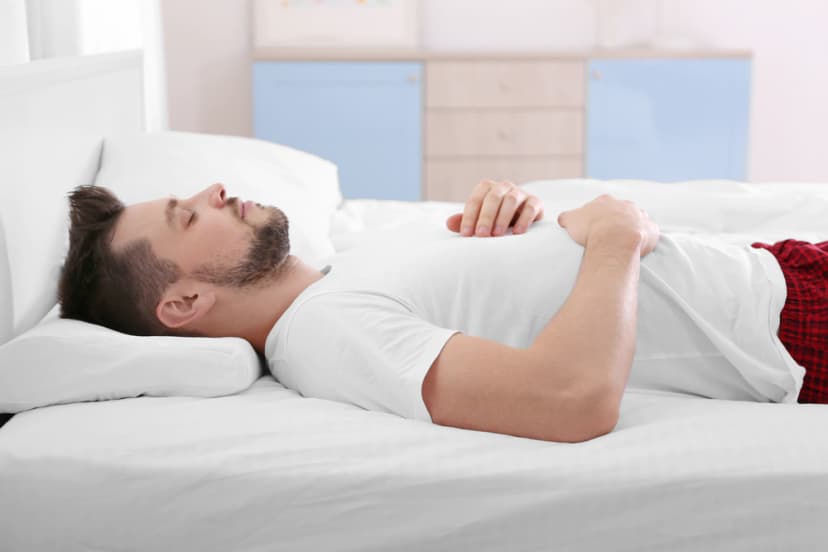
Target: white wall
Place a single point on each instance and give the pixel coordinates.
(508, 25)
(208, 58)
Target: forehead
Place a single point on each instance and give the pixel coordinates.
(141, 220)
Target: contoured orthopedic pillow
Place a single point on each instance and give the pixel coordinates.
(61, 361)
(64, 361)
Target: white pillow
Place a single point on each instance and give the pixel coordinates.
(64, 361)
(305, 187)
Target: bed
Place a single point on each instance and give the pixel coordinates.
(267, 469)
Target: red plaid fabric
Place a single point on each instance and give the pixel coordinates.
(803, 324)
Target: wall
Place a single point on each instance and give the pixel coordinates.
(208, 65)
(208, 58)
(790, 77)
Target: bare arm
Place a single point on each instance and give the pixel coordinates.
(567, 385)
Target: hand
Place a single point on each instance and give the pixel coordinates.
(615, 216)
(495, 206)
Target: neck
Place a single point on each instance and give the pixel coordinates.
(252, 313)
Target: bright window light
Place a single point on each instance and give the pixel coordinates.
(109, 25)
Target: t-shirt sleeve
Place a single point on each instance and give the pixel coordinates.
(362, 348)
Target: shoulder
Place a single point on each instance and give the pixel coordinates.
(334, 315)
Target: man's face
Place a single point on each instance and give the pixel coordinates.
(209, 236)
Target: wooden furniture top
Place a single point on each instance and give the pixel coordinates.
(408, 54)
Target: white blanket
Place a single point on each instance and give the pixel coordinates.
(270, 470)
(768, 211)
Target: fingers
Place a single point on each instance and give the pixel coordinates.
(608, 213)
(472, 208)
(453, 222)
(510, 208)
(502, 197)
(495, 206)
(653, 235)
(531, 211)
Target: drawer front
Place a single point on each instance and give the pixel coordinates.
(529, 132)
(505, 84)
(669, 119)
(453, 179)
(366, 117)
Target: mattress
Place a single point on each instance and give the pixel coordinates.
(267, 469)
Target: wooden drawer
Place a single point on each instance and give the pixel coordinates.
(453, 179)
(505, 83)
(524, 132)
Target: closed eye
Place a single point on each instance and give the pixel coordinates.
(186, 217)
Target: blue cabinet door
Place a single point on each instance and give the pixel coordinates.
(364, 116)
(668, 119)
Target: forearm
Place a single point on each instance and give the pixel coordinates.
(588, 346)
(567, 385)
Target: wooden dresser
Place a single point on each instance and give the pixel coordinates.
(511, 120)
(430, 125)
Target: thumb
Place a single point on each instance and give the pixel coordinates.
(562, 218)
(453, 222)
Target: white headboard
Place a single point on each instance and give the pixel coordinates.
(54, 115)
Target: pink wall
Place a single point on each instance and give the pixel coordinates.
(208, 59)
(208, 65)
(790, 77)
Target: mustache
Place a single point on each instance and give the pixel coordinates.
(234, 203)
(265, 260)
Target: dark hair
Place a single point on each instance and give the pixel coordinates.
(121, 289)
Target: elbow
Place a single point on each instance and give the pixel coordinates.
(583, 432)
(586, 431)
(602, 424)
(590, 416)
(603, 412)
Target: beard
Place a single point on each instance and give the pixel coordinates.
(266, 259)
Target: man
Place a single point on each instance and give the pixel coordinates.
(531, 334)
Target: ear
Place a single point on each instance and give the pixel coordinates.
(184, 303)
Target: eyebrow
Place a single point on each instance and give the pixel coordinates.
(171, 204)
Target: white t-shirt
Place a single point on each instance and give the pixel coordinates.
(369, 330)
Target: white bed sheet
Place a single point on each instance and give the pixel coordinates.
(269, 470)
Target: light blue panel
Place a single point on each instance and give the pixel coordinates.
(364, 116)
(668, 119)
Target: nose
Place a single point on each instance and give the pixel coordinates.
(216, 195)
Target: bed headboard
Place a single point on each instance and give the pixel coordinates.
(54, 115)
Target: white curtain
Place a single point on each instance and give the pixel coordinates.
(155, 81)
(14, 42)
(38, 29)
(53, 28)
